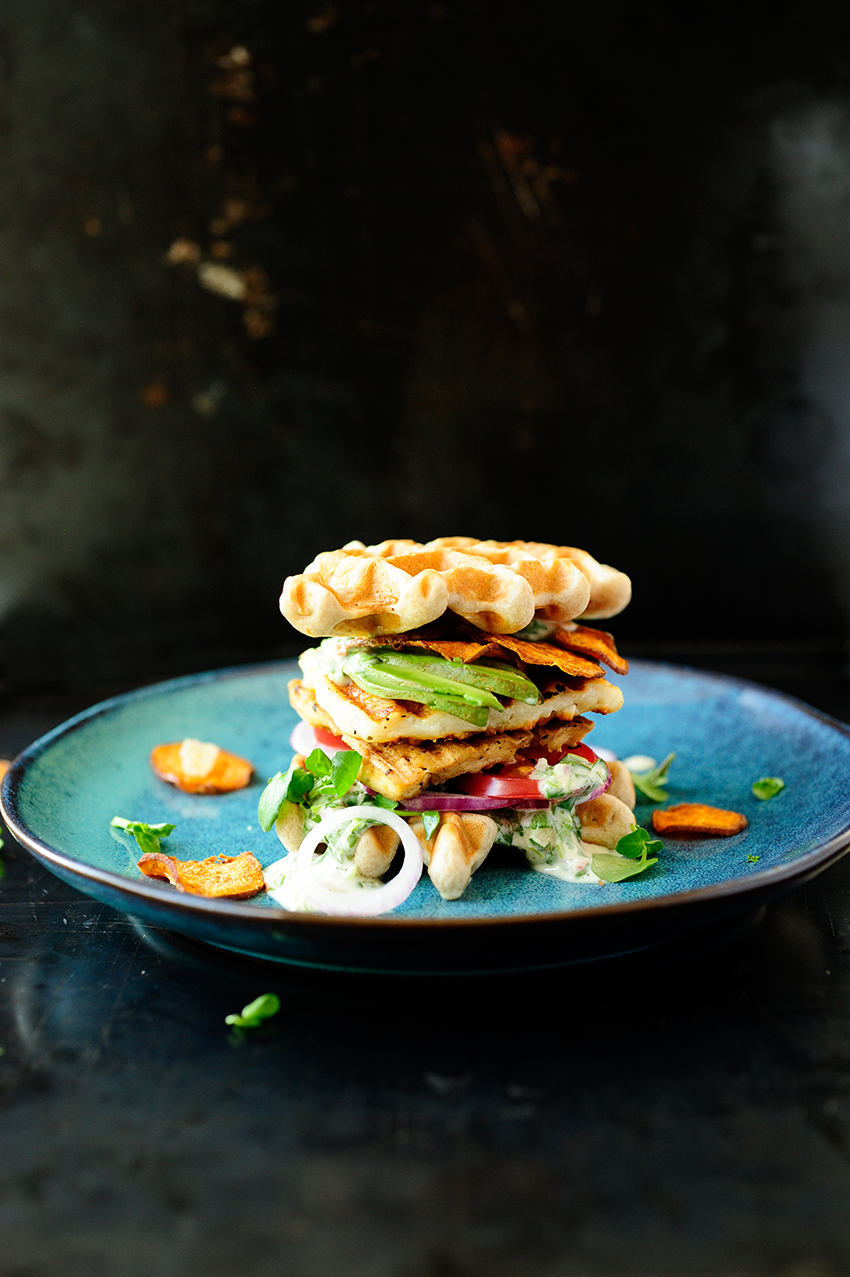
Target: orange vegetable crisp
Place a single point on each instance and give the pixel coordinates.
(494, 645)
(235, 876)
(598, 645)
(228, 772)
(697, 820)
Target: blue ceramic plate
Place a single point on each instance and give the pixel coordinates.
(61, 793)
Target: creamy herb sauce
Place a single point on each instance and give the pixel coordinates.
(328, 658)
(551, 840)
(282, 881)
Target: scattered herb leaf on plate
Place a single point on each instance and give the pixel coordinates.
(147, 836)
(651, 784)
(768, 787)
(253, 1015)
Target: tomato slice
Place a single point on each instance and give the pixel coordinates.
(328, 738)
(490, 785)
(514, 781)
(583, 751)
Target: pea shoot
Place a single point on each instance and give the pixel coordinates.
(147, 836)
(768, 787)
(256, 1012)
(635, 847)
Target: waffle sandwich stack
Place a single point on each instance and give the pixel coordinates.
(452, 668)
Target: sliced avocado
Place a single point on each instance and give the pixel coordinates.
(496, 676)
(470, 704)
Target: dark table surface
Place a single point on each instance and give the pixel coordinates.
(684, 1112)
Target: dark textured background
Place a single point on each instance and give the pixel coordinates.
(566, 272)
(557, 271)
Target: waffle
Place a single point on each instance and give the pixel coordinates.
(456, 850)
(351, 593)
(499, 587)
(609, 590)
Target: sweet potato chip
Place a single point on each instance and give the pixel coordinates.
(235, 876)
(495, 647)
(696, 820)
(548, 654)
(597, 644)
(4, 767)
(449, 649)
(228, 771)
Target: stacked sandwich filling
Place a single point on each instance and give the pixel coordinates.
(419, 738)
(461, 672)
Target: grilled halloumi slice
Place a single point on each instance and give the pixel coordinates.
(405, 768)
(401, 769)
(374, 720)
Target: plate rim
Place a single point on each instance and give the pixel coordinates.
(758, 881)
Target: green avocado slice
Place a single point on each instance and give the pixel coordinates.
(497, 676)
(370, 673)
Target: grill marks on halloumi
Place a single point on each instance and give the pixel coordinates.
(406, 768)
(374, 720)
(407, 747)
(403, 768)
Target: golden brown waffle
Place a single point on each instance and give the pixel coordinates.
(459, 846)
(610, 590)
(398, 586)
(352, 593)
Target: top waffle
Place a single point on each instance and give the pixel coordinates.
(498, 586)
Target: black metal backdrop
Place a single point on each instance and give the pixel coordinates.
(276, 276)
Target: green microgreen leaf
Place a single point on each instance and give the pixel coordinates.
(751, 860)
(651, 783)
(272, 799)
(318, 763)
(147, 836)
(300, 784)
(431, 821)
(768, 787)
(388, 804)
(293, 785)
(610, 868)
(637, 843)
(343, 770)
(253, 1015)
(635, 847)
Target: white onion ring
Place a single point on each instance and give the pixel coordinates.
(364, 904)
(303, 740)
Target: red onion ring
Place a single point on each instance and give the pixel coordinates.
(469, 802)
(457, 802)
